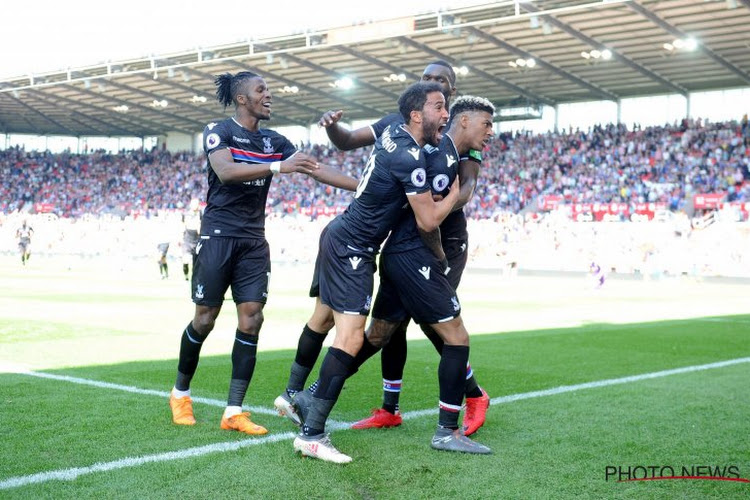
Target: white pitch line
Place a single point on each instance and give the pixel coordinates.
(73, 473)
(138, 390)
(593, 385)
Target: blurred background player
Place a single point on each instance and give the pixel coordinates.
(597, 275)
(190, 238)
(233, 250)
(163, 248)
(24, 234)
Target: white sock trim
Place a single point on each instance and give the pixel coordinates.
(231, 411)
(180, 394)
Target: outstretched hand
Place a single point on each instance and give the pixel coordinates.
(299, 163)
(330, 117)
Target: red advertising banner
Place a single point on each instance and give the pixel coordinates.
(549, 202)
(44, 208)
(708, 200)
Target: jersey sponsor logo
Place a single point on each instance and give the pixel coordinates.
(243, 140)
(354, 261)
(256, 182)
(450, 160)
(429, 148)
(456, 305)
(198, 247)
(424, 271)
(439, 183)
(212, 140)
(199, 292)
(418, 177)
(211, 125)
(414, 152)
(267, 147)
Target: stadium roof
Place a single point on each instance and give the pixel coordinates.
(648, 43)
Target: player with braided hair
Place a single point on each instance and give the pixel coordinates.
(233, 251)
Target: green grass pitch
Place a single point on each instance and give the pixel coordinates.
(88, 350)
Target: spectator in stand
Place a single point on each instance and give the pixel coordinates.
(610, 163)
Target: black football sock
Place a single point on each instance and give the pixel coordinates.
(333, 372)
(190, 350)
(471, 389)
(452, 378)
(308, 349)
(243, 366)
(366, 352)
(392, 362)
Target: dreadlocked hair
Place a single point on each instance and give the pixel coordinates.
(228, 86)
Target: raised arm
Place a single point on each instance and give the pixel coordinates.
(342, 137)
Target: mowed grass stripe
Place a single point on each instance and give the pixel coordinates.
(73, 473)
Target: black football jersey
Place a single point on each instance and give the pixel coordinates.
(391, 119)
(239, 209)
(442, 169)
(396, 168)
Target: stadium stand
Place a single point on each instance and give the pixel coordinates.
(610, 166)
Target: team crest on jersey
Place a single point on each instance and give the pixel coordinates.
(267, 147)
(439, 183)
(212, 140)
(456, 305)
(199, 292)
(418, 177)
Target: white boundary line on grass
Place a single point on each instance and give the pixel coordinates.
(75, 472)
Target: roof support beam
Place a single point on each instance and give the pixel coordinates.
(336, 74)
(598, 91)
(615, 55)
(312, 90)
(44, 116)
(377, 62)
(681, 34)
(500, 81)
(136, 122)
(131, 104)
(209, 77)
(157, 97)
(86, 119)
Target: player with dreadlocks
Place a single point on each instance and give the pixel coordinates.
(233, 251)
